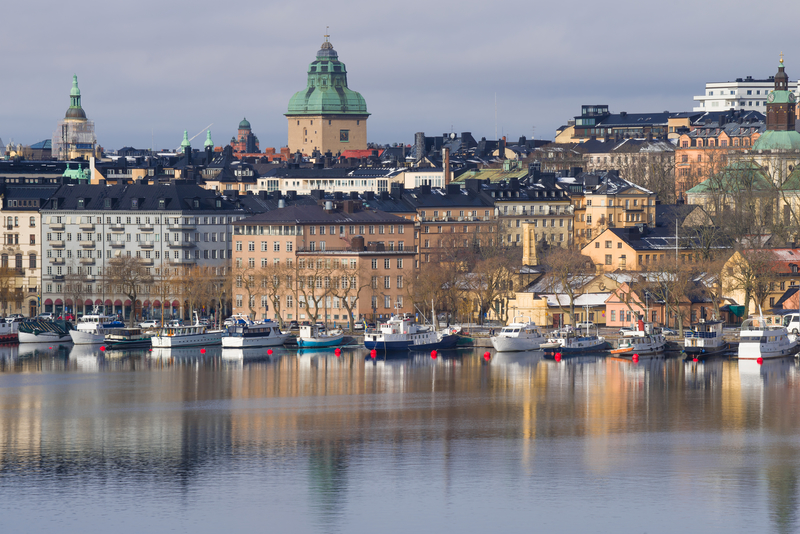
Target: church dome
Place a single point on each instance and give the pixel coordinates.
(326, 91)
(75, 110)
(244, 125)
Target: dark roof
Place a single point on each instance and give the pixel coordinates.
(786, 296)
(177, 196)
(316, 214)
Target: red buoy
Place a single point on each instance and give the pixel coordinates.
(337, 352)
(433, 354)
(635, 358)
(695, 359)
(487, 356)
(558, 356)
(269, 352)
(760, 360)
(50, 347)
(202, 351)
(373, 353)
(102, 349)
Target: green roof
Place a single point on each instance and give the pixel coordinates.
(736, 176)
(244, 125)
(493, 175)
(326, 91)
(792, 183)
(776, 140)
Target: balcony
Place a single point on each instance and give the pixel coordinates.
(89, 278)
(184, 261)
(116, 244)
(181, 244)
(57, 227)
(146, 244)
(86, 244)
(146, 228)
(58, 278)
(86, 227)
(57, 261)
(146, 261)
(117, 227)
(176, 227)
(86, 261)
(33, 290)
(56, 244)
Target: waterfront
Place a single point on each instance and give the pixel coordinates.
(127, 442)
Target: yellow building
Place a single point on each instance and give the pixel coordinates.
(327, 115)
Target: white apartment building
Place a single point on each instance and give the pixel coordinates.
(742, 94)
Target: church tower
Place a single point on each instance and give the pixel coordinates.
(74, 136)
(327, 115)
(780, 131)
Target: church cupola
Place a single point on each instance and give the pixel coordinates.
(75, 110)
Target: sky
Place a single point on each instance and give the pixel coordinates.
(149, 70)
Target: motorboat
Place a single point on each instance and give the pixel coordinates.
(186, 336)
(9, 332)
(646, 340)
(313, 336)
(704, 339)
(764, 337)
(44, 331)
(518, 336)
(92, 328)
(569, 343)
(127, 338)
(246, 333)
(402, 333)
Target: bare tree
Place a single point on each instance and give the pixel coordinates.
(349, 280)
(128, 274)
(752, 271)
(669, 280)
(567, 272)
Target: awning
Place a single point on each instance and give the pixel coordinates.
(89, 302)
(108, 302)
(117, 302)
(146, 303)
(48, 302)
(176, 304)
(59, 302)
(127, 302)
(737, 310)
(156, 303)
(69, 302)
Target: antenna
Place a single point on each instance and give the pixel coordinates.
(495, 115)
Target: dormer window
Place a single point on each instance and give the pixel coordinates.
(161, 204)
(219, 203)
(134, 203)
(81, 203)
(107, 203)
(794, 268)
(195, 204)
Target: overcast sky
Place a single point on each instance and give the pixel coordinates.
(150, 70)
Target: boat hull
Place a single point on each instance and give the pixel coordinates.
(165, 342)
(86, 337)
(239, 342)
(330, 341)
(44, 337)
(515, 344)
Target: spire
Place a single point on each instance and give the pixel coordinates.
(185, 143)
(209, 142)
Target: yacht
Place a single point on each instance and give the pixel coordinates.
(518, 336)
(569, 343)
(246, 333)
(764, 337)
(704, 339)
(402, 333)
(44, 331)
(93, 327)
(186, 336)
(312, 336)
(646, 340)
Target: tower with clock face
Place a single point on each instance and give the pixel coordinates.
(781, 104)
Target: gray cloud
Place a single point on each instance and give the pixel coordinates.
(158, 68)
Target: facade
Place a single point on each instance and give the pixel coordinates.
(597, 122)
(245, 141)
(741, 94)
(74, 137)
(327, 115)
(330, 264)
(171, 226)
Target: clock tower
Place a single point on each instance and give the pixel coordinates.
(781, 104)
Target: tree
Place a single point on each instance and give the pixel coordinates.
(567, 272)
(127, 274)
(752, 271)
(275, 280)
(669, 280)
(165, 286)
(349, 279)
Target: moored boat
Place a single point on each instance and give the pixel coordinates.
(571, 343)
(9, 332)
(312, 336)
(127, 338)
(646, 340)
(518, 336)
(764, 337)
(401, 333)
(249, 334)
(704, 339)
(186, 336)
(92, 328)
(43, 331)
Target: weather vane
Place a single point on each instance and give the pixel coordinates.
(781, 58)
(327, 28)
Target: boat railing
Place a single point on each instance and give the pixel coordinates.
(706, 335)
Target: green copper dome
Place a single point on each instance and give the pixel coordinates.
(326, 91)
(209, 142)
(75, 110)
(244, 125)
(778, 140)
(185, 143)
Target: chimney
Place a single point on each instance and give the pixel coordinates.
(446, 165)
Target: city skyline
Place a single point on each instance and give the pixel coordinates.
(148, 76)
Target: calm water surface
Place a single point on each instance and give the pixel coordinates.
(219, 442)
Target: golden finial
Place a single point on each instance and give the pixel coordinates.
(327, 28)
(781, 58)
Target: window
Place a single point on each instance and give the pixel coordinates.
(613, 315)
(251, 246)
(400, 282)
(387, 282)
(608, 259)
(387, 263)
(608, 244)
(238, 246)
(399, 263)
(374, 263)
(597, 244)
(276, 246)
(387, 301)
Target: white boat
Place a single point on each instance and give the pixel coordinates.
(186, 336)
(312, 336)
(246, 333)
(764, 337)
(646, 340)
(9, 331)
(518, 336)
(43, 331)
(402, 333)
(704, 339)
(93, 327)
(569, 343)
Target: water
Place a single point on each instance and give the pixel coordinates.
(190, 442)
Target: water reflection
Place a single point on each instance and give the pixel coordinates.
(336, 432)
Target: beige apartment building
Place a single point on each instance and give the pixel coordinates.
(323, 263)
